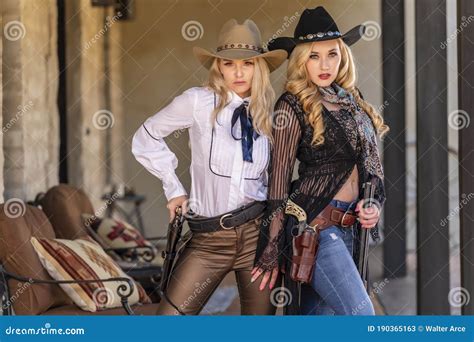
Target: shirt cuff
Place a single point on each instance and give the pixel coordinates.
(172, 186)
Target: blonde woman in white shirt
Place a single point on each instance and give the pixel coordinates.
(230, 125)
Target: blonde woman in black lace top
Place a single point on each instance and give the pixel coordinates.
(323, 121)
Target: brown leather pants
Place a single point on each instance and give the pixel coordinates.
(206, 259)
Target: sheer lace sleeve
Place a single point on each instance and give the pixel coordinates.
(379, 194)
(286, 135)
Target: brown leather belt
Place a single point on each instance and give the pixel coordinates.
(333, 216)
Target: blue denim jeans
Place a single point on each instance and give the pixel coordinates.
(336, 286)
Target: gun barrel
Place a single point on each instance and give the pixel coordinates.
(173, 236)
(369, 190)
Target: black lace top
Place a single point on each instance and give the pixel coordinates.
(323, 170)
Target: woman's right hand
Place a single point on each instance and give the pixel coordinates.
(173, 203)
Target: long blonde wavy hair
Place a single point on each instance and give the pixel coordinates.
(299, 84)
(261, 98)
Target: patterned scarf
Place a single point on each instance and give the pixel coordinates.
(367, 135)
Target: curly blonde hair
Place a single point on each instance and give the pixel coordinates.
(299, 84)
(261, 98)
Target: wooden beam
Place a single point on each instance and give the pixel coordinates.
(62, 92)
(394, 227)
(466, 149)
(432, 159)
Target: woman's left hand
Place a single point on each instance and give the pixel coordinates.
(269, 277)
(368, 217)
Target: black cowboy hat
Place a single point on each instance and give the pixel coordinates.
(316, 25)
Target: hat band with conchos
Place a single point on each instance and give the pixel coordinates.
(320, 35)
(239, 46)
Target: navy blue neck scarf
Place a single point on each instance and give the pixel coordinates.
(248, 133)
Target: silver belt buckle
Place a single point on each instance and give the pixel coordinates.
(221, 222)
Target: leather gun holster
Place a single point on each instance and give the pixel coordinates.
(305, 244)
(305, 247)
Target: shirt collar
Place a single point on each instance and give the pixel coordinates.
(236, 100)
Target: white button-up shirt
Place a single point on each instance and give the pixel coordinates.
(221, 180)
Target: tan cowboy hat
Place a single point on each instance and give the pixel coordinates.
(240, 42)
